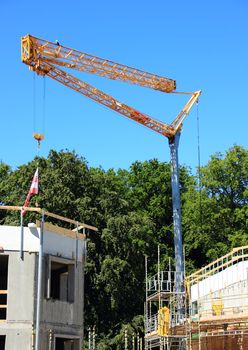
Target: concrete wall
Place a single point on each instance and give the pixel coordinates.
(228, 289)
(54, 242)
(58, 318)
(18, 327)
(220, 280)
(10, 238)
(17, 337)
(21, 287)
(61, 317)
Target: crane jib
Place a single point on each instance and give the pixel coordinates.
(47, 58)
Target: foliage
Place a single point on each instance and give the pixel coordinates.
(133, 212)
(215, 216)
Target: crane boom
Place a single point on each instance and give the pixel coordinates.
(34, 48)
(106, 100)
(46, 58)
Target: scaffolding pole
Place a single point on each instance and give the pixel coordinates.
(39, 287)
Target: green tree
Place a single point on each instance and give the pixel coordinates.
(133, 212)
(5, 172)
(215, 216)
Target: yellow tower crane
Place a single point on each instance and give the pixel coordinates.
(47, 58)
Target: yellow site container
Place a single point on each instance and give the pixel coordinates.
(163, 321)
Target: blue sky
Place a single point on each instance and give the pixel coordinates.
(200, 44)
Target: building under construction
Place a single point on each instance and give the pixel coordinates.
(42, 284)
(216, 304)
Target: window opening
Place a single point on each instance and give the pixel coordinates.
(4, 260)
(61, 279)
(2, 342)
(194, 308)
(66, 344)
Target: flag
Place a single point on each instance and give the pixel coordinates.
(32, 191)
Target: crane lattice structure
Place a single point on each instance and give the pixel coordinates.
(45, 58)
(48, 58)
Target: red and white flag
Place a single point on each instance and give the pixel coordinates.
(32, 191)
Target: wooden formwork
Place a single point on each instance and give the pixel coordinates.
(220, 334)
(221, 342)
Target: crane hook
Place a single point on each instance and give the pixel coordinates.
(38, 138)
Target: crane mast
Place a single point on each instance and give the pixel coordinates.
(47, 58)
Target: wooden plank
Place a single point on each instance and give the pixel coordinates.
(78, 228)
(14, 207)
(3, 306)
(2, 291)
(60, 230)
(59, 217)
(47, 213)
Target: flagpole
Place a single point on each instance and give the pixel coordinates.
(38, 138)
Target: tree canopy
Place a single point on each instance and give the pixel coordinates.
(133, 211)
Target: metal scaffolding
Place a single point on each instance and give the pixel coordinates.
(165, 326)
(214, 309)
(218, 303)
